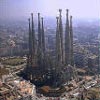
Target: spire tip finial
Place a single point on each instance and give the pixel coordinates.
(71, 17)
(67, 10)
(42, 18)
(32, 14)
(38, 13)
(57, 17)
(60, 10)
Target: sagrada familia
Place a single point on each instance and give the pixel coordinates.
(43, 69)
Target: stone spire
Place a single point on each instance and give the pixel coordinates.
(57, 37)
(71, 38)
(29, 37)
(39, 30)
(33, 39)
(67, 39)
(33, 33)
(61, 35)
(58, 48)
(39, 40)
(43, 51)
(30, 44)
(59, 60)
(43, 38)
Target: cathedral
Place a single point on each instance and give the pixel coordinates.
(41, 69)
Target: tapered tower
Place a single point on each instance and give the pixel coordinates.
(71, 38)
(30, 43)
(29, 37)
(33, 40)
(57, 40)
(58, 47)
(61, 36)
(43, 51)
(59, 63)
(67, 40)
(43, 39)
(39, 52)
(39, 31)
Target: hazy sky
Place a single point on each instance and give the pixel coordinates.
(23, 8)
